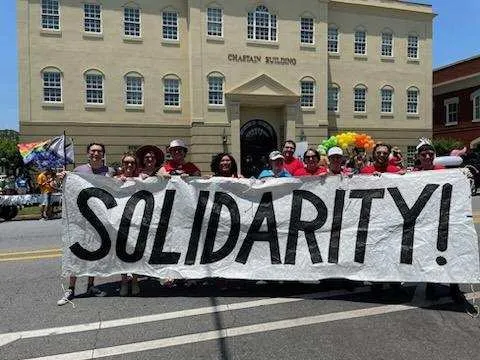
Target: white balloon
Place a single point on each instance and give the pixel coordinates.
(448, 161)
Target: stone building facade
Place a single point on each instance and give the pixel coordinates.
(239, 76)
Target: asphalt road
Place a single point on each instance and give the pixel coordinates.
(247, 321)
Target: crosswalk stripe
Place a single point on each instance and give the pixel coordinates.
(13, 336)
(239, 331)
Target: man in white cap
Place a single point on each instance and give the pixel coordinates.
(335, 162)
(177, 165)
(277, 164)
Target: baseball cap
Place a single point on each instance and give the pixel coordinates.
(335, 151)
(274, 155)
(178, 143)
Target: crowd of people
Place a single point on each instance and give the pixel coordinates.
(149, 161)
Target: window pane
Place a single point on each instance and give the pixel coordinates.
(360, 100)
(306, 30)
(307, 93)
(50, 15)
(387, 42)
(92, 20)
(333, 99)
(412, 51)
(412, 101)
(94, 88)
(215, 90)
(132, 22)
(134, 90)
(477, 107)
(333, 40)
(387, 99)
(170, 25)
(360, 42)
(214, 22)
(261, 25)
(171, 92)
(52, 87)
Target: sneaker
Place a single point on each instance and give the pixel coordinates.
(67, 297)
(124, 289)
(135, 288)
(94, 291)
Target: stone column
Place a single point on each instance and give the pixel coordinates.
(234, 118)
(291, 116)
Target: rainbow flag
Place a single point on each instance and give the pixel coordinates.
(52, 153)
(30, 151)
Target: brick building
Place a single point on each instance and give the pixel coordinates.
(456, 101)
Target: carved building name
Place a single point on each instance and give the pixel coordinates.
(255, 59)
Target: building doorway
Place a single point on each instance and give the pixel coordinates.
(257, 140)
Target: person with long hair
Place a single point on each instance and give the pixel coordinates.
(129, 172)
(224, 164)
(150, 159)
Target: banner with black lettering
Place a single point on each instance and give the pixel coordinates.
(413, 227)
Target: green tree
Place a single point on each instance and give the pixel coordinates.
(443, 146)
(10, 157)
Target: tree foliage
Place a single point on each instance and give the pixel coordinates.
(9, 155)
(443, 146)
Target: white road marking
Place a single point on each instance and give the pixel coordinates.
(13, 336)
(238, 331)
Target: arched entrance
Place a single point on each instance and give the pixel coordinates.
(257, 140)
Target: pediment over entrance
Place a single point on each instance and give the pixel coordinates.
(262, 89)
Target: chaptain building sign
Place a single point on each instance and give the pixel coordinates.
(255, 59)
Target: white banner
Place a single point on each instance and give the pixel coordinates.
(413, 227)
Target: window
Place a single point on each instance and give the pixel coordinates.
(386, 94)
(360, 45)
(307, 90)
(412, 101)
(411, 155)
(261, 25)
(360, 98)
(50, 15)
(170, 25)
(475, 97)
(214, 22)
(92, 22)
(332, 40)
(215, 90)
(52, 86)
(333, 92)
(451, 111)
(387, 44)
(171, 91)
(476, 108)
(94, 88)
(306, 30)
(131, 22)
(412, 47)
(134, 89)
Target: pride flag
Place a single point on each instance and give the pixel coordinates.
(30, 151)
(51, 153)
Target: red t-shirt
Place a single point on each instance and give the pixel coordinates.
(188, 167)
(304, 171)
(293, 165)
(370, 169)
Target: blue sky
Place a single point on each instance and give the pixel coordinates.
(455, 38)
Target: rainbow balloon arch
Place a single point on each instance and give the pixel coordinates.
(347, 141)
